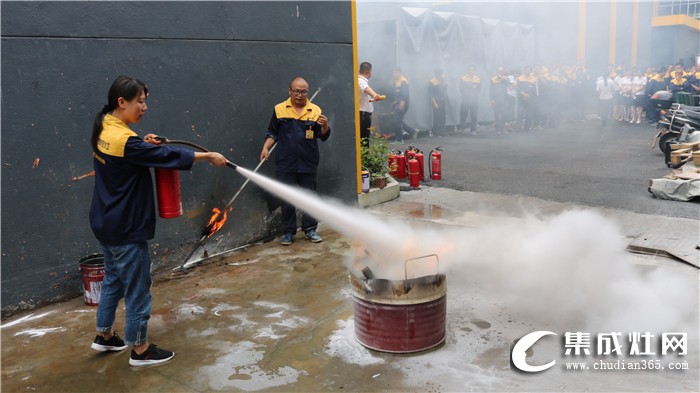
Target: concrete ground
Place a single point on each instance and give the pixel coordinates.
(277, 318)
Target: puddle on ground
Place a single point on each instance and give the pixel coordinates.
(420, 210)
(238, 368)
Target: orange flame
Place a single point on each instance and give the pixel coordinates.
(217, 220)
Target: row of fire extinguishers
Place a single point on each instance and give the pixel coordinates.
(411, 163)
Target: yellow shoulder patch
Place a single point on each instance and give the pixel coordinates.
(400, 81)
(285, 110)
(114, 136)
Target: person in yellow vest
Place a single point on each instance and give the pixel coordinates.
(570, 93)
(527, 95)
(555, 98)
(400, 104)
(498, 92)
(295, 126)
(469, 88)
(668, 75)
(541, 103)
(695, 82)
(654, 84)
(437, 90)
(123, 218)
(679, 83)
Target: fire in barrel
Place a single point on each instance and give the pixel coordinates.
(400, 316)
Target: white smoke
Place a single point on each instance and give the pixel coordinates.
(565, 271)
(572, 270)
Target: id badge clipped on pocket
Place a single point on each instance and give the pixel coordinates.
(309, 133)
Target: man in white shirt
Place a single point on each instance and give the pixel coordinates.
(367, 95)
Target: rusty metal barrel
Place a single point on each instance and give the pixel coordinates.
(400, 316)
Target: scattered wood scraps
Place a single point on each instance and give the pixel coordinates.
(684, 152)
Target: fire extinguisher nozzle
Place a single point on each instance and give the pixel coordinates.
(231, 165)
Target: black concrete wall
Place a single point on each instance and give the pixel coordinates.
(214, 70)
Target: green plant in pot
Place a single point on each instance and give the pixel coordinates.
(374, 158)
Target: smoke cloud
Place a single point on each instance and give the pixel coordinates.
(566, 270)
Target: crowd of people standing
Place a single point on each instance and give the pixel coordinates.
(624, 93)
(541, 96)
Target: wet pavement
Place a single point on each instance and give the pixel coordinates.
(275, 318)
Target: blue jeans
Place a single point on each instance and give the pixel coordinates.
(128, 276)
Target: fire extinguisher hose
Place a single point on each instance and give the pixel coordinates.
(167, 141)
(430, 164)
(231, 165)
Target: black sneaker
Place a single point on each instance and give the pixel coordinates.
(152, 355)
(115, 343)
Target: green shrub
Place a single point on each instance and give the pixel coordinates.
(374, 156)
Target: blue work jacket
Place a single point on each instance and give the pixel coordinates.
(297, 150)
(123, 206)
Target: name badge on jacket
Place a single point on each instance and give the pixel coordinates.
(309, 133)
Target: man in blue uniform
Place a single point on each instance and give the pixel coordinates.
(295, 125)
(437, 90)
(469, 87)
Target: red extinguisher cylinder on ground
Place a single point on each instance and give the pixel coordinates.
(410, 154)
(400, 166)
(413, 173)
(421, 163)
(436, 164)
(169, 197)
(393, 166)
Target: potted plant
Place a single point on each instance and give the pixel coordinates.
(374, 154)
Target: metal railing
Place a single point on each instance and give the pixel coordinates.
(678, 7)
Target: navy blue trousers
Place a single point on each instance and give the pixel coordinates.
(289, 212)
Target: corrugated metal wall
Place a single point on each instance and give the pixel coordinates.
(214, 70)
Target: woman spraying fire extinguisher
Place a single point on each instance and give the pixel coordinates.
(122, 215)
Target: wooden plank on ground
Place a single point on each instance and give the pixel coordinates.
(687, 175)
(693, 146)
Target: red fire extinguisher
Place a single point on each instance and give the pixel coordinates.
(421, 163)
(435, 164)
(410, 154)
(169, 197)
(393, 169)
(413, 173)
(397, 164)
(400, 165)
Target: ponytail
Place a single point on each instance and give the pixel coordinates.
(97, 127)
(125, 87)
